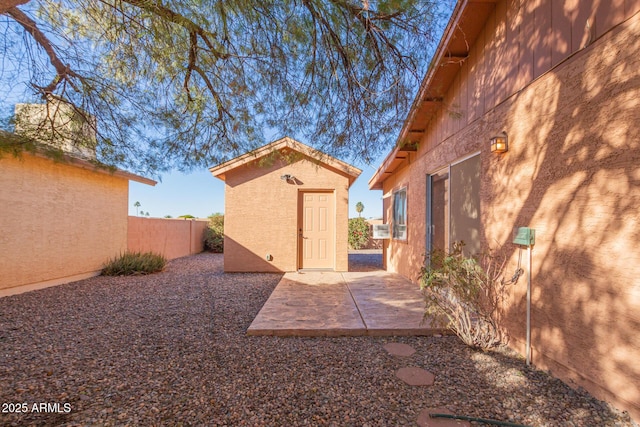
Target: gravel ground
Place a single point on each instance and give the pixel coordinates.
(171, 349)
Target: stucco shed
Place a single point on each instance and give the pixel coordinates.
(286, 208)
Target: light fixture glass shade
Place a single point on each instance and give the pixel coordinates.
(499, 143)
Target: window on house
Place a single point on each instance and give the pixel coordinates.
(400, 214)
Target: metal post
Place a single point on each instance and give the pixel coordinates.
(528, 349)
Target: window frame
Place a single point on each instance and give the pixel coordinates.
(396, 234)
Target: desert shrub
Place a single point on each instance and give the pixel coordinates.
(464, 294)
(358, 233)
(214, 234)
(134, 263)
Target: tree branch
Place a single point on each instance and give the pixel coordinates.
(222, 111)
(63, 72)
(169, 15)
(6, 5)
(193, 55)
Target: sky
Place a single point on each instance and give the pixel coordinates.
(200, 194)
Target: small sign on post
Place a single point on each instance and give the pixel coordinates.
(381, 231)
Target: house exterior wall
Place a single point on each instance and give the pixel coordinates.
(172, 238)
(261, 214)
(571, 173)
(58, 222)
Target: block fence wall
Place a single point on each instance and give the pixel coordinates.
(173, 238)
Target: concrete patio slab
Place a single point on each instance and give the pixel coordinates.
(308, 304)
(343, 304)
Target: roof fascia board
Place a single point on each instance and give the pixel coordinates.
(375, 180)
(100, 168)
(351, 171)
(40, 151)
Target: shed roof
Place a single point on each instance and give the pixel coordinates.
(339, 166)
(466, 23)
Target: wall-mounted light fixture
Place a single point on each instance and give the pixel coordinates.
(287, 177)
(500, 143)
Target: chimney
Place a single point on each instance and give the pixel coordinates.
(59, 125)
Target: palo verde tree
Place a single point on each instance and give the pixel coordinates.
(180, 83)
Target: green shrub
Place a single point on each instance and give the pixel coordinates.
(464, 294)
(214, 234)
(358, 233)
(134, 263)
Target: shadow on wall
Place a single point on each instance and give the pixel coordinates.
(572, 174)
(359, 262)
(240, 259)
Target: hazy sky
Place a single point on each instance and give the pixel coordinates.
(200, 194)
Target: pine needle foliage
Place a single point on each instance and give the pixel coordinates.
(184, 84)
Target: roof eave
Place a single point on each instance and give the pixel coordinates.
(350, 171)
(102, 168)
(375, 183)
(44, 152)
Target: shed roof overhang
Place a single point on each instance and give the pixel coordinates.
(351, 172)
(466, 23)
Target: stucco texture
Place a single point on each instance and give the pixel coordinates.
(261, 213)
(172, 238)
(571, 110)
(57, 220)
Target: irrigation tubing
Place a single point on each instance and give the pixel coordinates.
(479, 420)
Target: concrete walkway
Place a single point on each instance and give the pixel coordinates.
(343, 304)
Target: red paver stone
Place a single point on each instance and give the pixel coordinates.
(399, 349)
(415, 376)
(424, 420)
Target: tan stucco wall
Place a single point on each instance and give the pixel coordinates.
(57, 221)
(572, 173)
(261, 214)
(173, 238)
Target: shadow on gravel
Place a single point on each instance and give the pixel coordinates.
(171, 349)
(366, 260)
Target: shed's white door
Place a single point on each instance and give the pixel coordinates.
(316, 230)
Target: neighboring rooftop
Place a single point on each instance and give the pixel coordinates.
(59, 125)
(88, 164)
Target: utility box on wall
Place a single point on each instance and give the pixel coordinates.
(524, 236)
